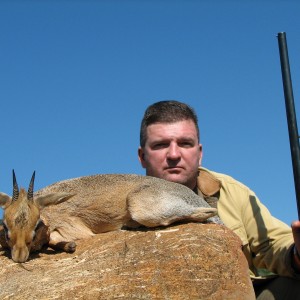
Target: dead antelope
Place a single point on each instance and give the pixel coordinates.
(93, 204)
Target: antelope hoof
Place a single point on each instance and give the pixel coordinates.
(64, 246)
(70, 247)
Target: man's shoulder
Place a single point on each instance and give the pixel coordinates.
(217, 175)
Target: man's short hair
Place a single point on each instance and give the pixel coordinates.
(168, 111)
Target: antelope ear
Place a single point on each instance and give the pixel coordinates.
(51, 199)
(5, 200)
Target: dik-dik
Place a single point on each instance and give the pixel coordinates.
(94, 204)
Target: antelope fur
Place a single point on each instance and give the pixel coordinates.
(78, 208)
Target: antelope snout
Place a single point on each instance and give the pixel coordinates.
(19, 254)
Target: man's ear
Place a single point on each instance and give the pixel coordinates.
(200, 154)
(141, 155)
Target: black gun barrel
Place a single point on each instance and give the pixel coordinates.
(290, 113)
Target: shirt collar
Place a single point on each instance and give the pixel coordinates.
(207, 183)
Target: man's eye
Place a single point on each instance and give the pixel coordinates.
(186, 145)
(160, 146)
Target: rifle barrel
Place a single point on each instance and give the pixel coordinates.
(290, 113)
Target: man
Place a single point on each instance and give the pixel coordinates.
(170, 149)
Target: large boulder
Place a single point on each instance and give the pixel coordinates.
(186, 261)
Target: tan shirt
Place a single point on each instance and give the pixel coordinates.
(266, 241)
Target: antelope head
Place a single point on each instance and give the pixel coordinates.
(24, 231)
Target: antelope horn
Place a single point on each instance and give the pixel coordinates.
(15, 187)
(30, 189)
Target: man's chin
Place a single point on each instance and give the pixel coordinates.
(178, 178)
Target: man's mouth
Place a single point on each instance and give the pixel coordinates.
(174, 169)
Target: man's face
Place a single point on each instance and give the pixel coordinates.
(172, 152)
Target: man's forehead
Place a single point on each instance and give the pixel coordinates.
(180, 129)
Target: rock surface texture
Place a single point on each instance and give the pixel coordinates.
(186, 261)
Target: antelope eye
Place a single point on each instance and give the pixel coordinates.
(5, 227)
(6, 232)
(38, 225)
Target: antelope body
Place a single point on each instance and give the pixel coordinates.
(89, 205)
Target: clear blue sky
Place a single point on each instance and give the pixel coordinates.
(76, 77)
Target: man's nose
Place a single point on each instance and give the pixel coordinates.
(173, 152)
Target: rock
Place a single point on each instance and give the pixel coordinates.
(186, 261)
